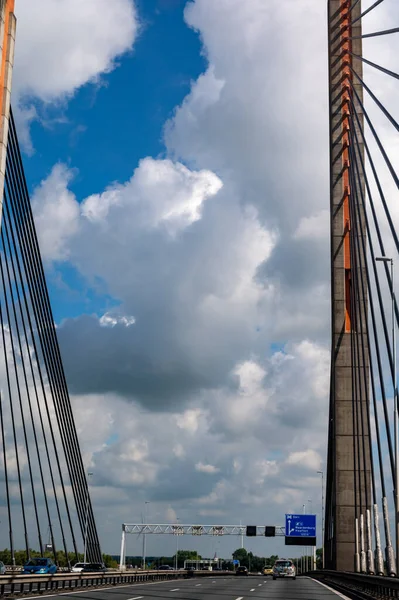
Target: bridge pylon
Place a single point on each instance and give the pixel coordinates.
(348, 493)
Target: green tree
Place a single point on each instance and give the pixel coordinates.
(110, 562)
(242, 555)
(319, 558)
(183, 555)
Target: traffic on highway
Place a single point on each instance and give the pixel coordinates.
(209, 588)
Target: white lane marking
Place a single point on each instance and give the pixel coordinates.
(252, 590)
(329, 588)
(240, 598)
(101, 589)
(136, 598)
(175, 590)
(197, 584)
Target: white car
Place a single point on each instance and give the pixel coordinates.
(284, 568)
(78, 567)
(2, 568)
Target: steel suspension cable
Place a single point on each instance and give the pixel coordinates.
(46, 329)
(7, 285)
(359, 201)
(3, 436)
(354, 139)
(49, 342)
(381, 245)
(367, 11)
(375, 66)
(12, 258)
(375, 34)
(21, 493)
(29, 326)
(18, 218)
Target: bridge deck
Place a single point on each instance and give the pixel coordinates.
(209, 588)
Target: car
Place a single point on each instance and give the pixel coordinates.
(39, 565)
(284, 568)
(242, 571)
(94, 568)
(165, 568)
(78, 567)
(267, 570)
(2, 568)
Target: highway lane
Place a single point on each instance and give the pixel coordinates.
(229, 588)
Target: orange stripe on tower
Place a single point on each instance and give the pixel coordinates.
(345, 61)
(7, 41)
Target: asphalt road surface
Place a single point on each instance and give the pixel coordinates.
(219, 588)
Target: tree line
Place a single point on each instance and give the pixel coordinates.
(257, 563)
(62, 559)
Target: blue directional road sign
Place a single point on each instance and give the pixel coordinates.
(300, 530)
(300, 525)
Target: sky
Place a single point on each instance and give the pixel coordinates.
(177, 157)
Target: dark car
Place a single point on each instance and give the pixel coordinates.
(165, 568)
(94, 568)
(242, 571)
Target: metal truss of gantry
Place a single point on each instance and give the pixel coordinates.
(194, 530)
(45, 494)
(363, 439)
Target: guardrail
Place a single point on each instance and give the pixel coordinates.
(358, 586)
(14, 585)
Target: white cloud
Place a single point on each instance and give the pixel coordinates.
(314, 226)
(161, 195)
(63, 46)
(171, 515)
(307, 458)
(110, 320)
(66, 44)
(179, 451)
(189, 420)
(59, 220)
(168, 194)
(266, 468)
(206, 468)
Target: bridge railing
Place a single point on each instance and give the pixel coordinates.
(31, 584)
(358, 586)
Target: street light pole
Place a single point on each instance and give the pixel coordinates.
(395, 409)
(304, 556)
(87, 516)
(144, 535)
(177, 545)
(312, 549)
(322, 515)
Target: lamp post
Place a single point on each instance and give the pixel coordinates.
(144, 535)
(177, 544)
(386, 259)
(87, 515)
(322, 516)
(312, 549)
(303, 556)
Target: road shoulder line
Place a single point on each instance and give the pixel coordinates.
(330, 588)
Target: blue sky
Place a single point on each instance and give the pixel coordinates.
(107, 127)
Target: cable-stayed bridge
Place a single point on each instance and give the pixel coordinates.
(45, 490)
